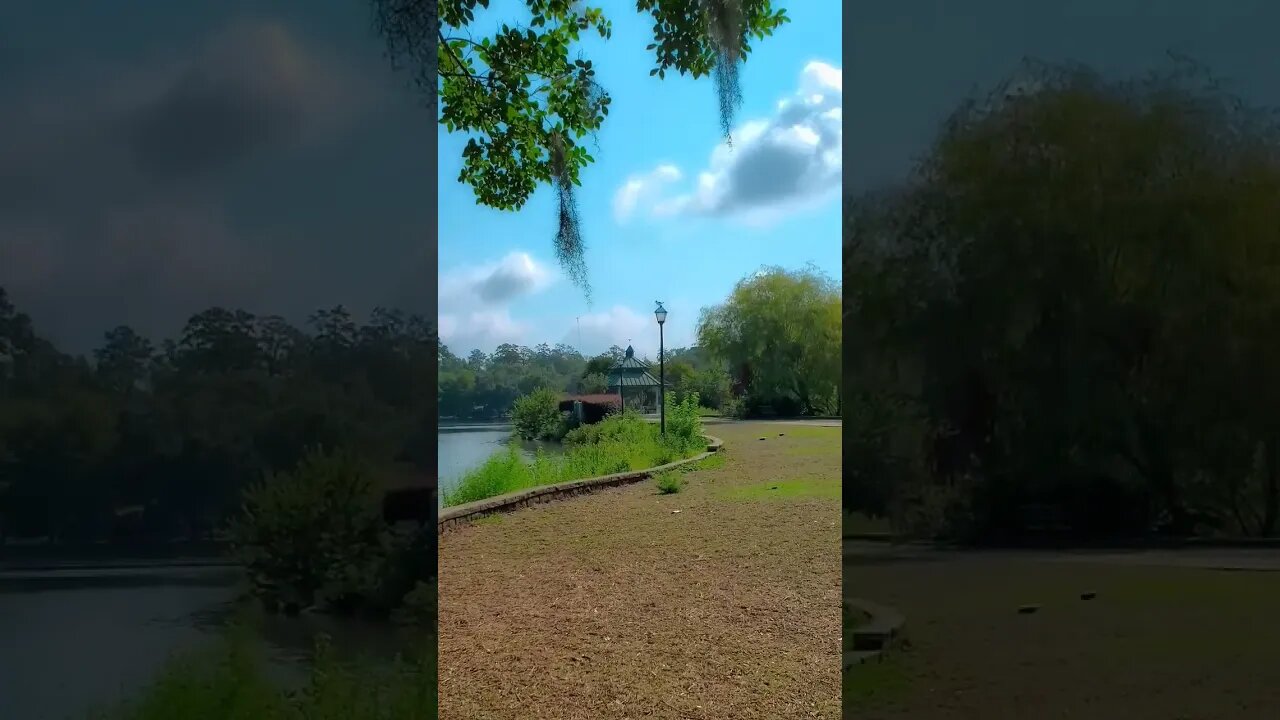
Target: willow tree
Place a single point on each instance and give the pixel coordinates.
(527, 99)
(1073, 301)
(779, 332)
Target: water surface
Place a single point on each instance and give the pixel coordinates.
(462, 448)
(75, 639)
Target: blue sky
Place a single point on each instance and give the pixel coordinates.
(650, 234)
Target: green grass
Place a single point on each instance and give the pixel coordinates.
(617, 444)
(804, 432)
(714, 461)
(800, 489)
(228, 682)
(708, 412)
(882, 681)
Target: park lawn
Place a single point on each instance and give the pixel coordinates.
(616, 605)
(1156, 642)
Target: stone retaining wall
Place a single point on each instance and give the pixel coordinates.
(459, 515)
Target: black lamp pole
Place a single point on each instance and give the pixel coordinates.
(661, 314)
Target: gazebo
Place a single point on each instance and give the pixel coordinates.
(631, 374)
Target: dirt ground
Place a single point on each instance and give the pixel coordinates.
(1163, 643)
(615, 605)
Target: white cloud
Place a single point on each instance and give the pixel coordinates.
(621, 325)
(778, 164)
(475, 302)
(642, 187)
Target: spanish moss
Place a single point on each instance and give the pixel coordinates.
(728, 91)
(570, 250)
(726, 29)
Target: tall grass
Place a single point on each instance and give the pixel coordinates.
(229, 683)
(619, 443)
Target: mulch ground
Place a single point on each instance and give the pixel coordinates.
(614, 605)
(1163, 643)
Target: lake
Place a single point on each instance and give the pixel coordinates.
(76, 638)
(464, 447)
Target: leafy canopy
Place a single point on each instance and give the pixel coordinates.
(779, 331)
(528, 100)
(1073, 301)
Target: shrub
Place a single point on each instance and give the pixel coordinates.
(684, 424)
(625, 426)
(419, 606)
(593, 384)
(315, 533)
(668, 483)
(411, 563)
(537, 416)
(735, 407)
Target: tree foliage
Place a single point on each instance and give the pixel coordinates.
(151, 442)
(485, 386)
(779, 332)
(537, 416)
(527, 100)
(1072, 305)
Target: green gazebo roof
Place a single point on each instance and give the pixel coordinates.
(643, 379)
(631, 372)
(630, 362)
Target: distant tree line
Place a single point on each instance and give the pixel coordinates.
(484, 386)
(157, 442)
(1068, 318)
(773, 347)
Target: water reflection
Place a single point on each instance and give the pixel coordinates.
(78, 639)
(461, 448)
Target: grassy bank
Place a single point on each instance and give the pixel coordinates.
(619, 443)
(230, 682)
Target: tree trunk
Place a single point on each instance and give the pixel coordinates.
(802, 390)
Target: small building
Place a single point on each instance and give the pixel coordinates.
(631, 379)
(590, 408)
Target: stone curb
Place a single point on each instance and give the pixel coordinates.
(874, 639)
(459, 515)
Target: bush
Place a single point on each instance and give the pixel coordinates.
(668, 483)
(419, 607)
(713, 385)
(735, 407)
(315, 533)
(537, 416)
(684, 424)
(593, 384)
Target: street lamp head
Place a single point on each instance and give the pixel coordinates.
(660, 313)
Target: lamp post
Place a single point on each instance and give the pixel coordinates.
(661, 314)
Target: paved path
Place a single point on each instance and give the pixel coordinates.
(1258, 559)
(812, 422)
